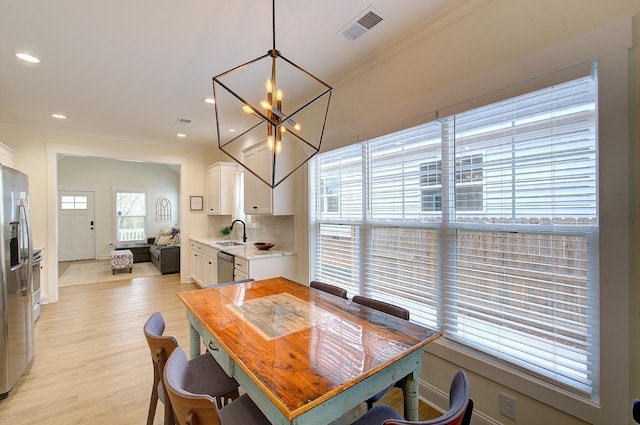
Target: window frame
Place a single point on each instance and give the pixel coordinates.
(365, 226)
(117, 217)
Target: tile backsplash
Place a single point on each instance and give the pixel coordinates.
(260, 228)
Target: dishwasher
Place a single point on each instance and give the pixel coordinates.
(225, 267)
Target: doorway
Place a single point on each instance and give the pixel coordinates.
(76, 224)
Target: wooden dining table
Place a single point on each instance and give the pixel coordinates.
(305, 357)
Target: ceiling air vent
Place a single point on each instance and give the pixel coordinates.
(362, 23)
(183, 121)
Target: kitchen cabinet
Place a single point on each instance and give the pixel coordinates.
(260, 198)
(264, 267)
(204, 266)
(6, 155)
(220, 188)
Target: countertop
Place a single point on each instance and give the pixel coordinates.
(246, 250)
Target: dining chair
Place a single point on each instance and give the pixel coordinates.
(206, 375)
(388, 308)
(383, 306)
(233, 282)
(331, 289)
(195, 408)
(459, 413)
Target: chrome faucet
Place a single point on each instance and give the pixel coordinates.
(244, 229)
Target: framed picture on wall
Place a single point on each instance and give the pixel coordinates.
(196, 203)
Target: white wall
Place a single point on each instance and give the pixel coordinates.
(501, 44)
(106, 176)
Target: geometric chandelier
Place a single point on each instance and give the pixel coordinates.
(270, 114)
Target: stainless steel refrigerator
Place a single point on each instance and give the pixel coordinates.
(16, 309)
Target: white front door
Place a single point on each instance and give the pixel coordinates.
(76, 223)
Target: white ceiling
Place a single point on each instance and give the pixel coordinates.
(130, 69)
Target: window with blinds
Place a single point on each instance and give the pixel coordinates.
(483, 224)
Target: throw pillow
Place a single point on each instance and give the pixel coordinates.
(163, 240)
(174, 240)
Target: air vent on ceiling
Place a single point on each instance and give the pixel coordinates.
(362, 23)
(183, 121)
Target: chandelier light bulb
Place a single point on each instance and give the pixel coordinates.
(247, 109)
(279, 95)
(269, 86)
(266, 105)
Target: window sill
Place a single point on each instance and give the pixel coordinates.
(504, 375)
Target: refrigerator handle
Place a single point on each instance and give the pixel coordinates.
(14, 245)
(25, 257)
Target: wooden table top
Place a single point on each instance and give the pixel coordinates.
(301, 346)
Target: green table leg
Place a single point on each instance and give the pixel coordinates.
(194, 342)
(410, 398)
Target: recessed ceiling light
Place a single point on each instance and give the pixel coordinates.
(59, 116)
(27, 57)
(210, 100)
(181, 135)
(232, 130)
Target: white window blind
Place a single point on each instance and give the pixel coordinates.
(520, 284)
(394, 173)
(401, 268)
(483, 224)
(525, 298)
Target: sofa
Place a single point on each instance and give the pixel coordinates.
(165, 251)
(166, 258)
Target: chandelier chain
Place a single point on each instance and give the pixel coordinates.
(273, 18)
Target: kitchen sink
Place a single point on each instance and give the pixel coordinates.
(228, 243)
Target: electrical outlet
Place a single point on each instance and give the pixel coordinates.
(507, 405)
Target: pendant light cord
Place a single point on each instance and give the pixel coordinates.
(273, 17)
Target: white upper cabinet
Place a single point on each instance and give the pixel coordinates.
(260, 198)
(6, 155)
(220, 188)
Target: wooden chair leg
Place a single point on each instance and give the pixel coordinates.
(168, 415)
(153, 403)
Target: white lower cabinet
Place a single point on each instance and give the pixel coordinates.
(264, 268)
(204, 264)
(211, 268)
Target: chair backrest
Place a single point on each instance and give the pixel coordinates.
(189, 408)
(331, 289)
(160, 347)
(460, 405)
(385, 307)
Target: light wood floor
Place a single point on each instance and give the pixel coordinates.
(92, 363)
